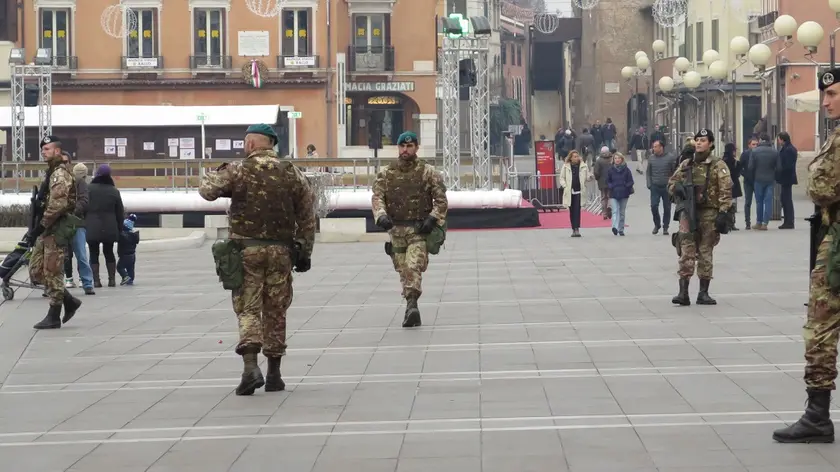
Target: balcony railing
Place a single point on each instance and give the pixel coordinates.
(210, 62)
(297, 62)
(65, 62)
(142, 63)
(371, 58)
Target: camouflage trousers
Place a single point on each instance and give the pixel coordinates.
(46, 267)
(410, 259)
(821, 326)
(697, 249)
(262, 301)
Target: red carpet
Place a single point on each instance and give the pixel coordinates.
(560, 220)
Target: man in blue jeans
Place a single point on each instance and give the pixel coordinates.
(660, 168)
(79, 242)
(764, 163)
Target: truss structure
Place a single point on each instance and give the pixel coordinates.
(454, 51)
(22, 75)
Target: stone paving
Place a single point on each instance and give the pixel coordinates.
(538, 353)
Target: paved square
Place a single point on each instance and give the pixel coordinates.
(538, 353)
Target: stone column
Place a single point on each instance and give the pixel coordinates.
(427, 134)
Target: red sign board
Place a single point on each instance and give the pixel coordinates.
(546, 165)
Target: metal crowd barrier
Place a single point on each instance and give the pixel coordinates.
(181, 175)
(545, 192)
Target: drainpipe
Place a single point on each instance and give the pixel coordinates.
(22, 8)
(329, 90)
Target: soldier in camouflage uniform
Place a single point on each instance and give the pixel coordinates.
(46, 267)
(712, 203)
(409, 200)
(823, 321)
(272, 215)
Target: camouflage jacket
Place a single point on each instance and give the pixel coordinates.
(61, 199)
(409, 191)
(269, 199)
(719, 192)
(824, 179)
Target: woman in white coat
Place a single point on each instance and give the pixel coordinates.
(573, 178)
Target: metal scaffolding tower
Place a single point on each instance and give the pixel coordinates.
(22, 75)
(453, 52)
(480, 114)
(450, 55)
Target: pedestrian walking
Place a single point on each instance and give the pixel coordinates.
(764, 165)
(620, 182)
(573, 177)
(661, 167)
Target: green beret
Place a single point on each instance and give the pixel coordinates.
(264, 130)
(407, 137)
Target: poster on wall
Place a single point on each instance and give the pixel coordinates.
(173, 151)
(122, 141)
(188, 143)
(110, 150)
(546, 164)
(222, 145)
(239, 144)
(172, 142)
(149, 146)
(120, 151)
(187, 153)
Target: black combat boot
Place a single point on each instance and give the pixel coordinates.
(252, 377)
(412, 313)
(703, 297)
(273, 380)
(682, 298)
(815, 426)
(97, 282)
(111, 267)
(71, 305)
(52, 320)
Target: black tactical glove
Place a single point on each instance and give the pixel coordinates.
(33, 234)
(722, 223)
(384, 222)
(680, 192)
(303, 264)
(428, 225)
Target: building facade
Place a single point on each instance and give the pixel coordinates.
(796, 73)
(369, 70)
(710, 25)
(514, 61)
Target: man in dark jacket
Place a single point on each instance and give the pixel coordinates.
(660, 168)
(586, 145)
(609, 132)
(787, 177)
(600, 171)
(78, 245)
(743, 166)
(639, 145)
(764, 163)
(597, 134)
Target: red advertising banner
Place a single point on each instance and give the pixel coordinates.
(546, 165)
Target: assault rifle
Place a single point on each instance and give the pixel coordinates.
(36, 208)
(687, 205)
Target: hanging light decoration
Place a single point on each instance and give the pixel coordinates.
(118, 21)
(547, 23)
(586, 4)
(265, 8)
(670, 13)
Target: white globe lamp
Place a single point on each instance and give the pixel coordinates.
(718, 70)
(627, 72)
(785, 26)
(642, 62)
(760, 55)
(666, 84)
(739, 45)
(682, 64)
(710, 56)
(639, 54)
(835, 6)
(692, 79)
(659, 46)
(810, 34)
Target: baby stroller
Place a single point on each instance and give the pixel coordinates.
(18, 258)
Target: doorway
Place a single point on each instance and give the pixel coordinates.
(750, 115)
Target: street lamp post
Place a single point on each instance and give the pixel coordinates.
(666, 85)
(785, 27)
(709, 57)
(658, 48)
(681, 64)
(739, 46)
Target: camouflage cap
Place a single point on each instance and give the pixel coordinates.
(265, 130)
(407, 137)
